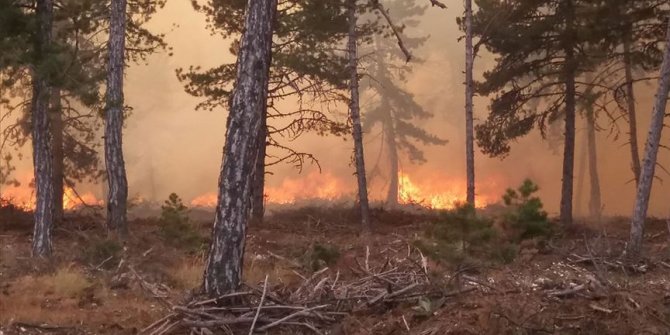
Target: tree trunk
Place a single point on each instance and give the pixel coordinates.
(595, 205)
(223, 271)
(632, 115)
(42, 162)
(58, 155)
(258, 188)
(116, 169)
(579, 196)
(650, 154)
(569, 145)
(389, 129)
(354, 108)
(469, 133)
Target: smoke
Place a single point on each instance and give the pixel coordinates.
(171, 147)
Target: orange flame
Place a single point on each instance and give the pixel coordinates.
(443, 194)
(24, 197)
(314, 185)
(436, 193)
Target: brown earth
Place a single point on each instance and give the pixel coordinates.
(575, 283)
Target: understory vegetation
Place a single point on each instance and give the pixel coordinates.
(464, 234)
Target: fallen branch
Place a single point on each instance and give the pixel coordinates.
(258, 311)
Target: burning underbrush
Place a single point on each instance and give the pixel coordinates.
(307, 271)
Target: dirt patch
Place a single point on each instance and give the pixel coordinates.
(576, 284)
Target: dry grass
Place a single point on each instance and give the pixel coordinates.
(68, 298)
(43, 297)
(257, 267)
(187, 274)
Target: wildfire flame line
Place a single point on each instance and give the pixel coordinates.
(445, 194)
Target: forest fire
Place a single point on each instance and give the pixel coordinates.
(446, 193)
(24, 197)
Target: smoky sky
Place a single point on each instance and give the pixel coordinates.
(171, 147)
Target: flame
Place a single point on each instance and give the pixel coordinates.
(433, 191)
(314, 185)
(206, 200)
(24, 197)
(443, 194)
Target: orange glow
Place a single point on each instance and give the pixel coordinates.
(206, 200)
(315, 185)
(24, 196)
(438, 194)
(432, 191)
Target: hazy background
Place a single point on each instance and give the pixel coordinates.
(171, 147)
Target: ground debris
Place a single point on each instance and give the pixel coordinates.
(317, 305)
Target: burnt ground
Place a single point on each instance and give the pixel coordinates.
(573, 283)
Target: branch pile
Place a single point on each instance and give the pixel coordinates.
(321, 301)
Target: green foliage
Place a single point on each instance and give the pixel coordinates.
(460, 233)
(105, 253)
(176, 228)
(525, 214)
(307, 64)
(320, 256)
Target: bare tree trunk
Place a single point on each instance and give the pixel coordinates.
(258, 188)
(223, 271)
(632, 115)
(595, 205)
(650, 154)
(58, 155)
(389, 129)
(116, 169)
(469, 133)
(569, 145)
(579, 196)
(354, 108)
(42, 162)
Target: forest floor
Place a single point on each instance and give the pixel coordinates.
(572, 283)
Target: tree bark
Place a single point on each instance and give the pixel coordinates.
(354, 109)
(390, 134)
(650, 154)
(58, 155)
(632, 115)
(258, 188)
(469, 132)
(569, 144)
(116, 171)
(42, 162)
(595, 206)
(223, 271)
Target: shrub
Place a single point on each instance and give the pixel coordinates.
(458, 233)
(320, 256)
(176, 228)
(103, 251)
(524, 214)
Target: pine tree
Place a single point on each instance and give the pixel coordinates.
(42, 163)
(650, 155)
(306, 66)
(355, 115)
(114, 162)
(223, 271)
(542, 46)
(632, 29)
(469, 108)
(397, 110)
(77, 63)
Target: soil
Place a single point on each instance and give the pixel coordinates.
(574, 283)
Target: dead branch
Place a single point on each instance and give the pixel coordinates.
(396, 32)
(436, 3)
